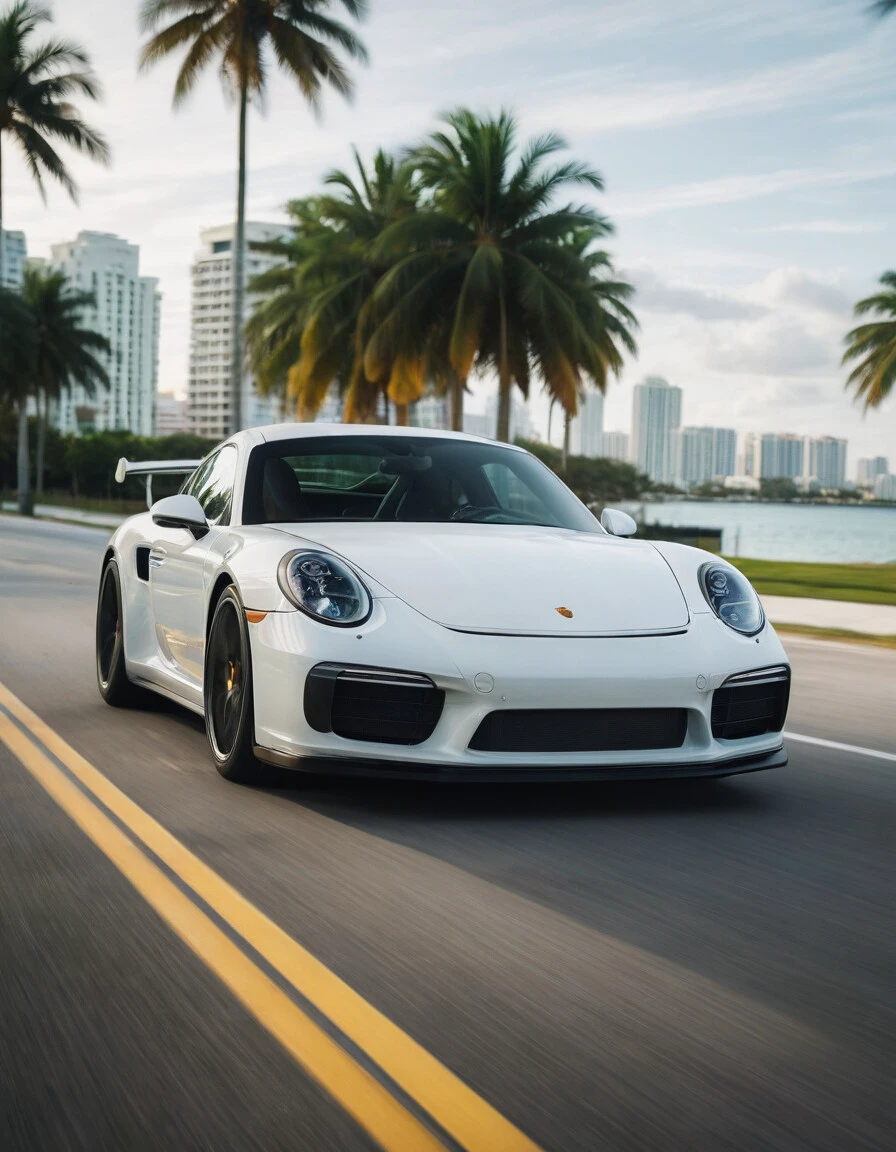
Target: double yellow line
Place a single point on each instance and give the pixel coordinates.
(438, 1094)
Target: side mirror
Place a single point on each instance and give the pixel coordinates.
(180, 511)
(618, 523)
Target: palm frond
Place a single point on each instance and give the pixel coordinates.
(874, 346)
(37, 84)
(41, 157)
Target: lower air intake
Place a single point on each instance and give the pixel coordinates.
(373, 704)
(581, 730)
(751, 703)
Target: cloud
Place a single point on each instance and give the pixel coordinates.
(653, 295)
(731, 189)
(875, 112)
(589, 103)
(828, 227)
(772, 347)
(792, 289)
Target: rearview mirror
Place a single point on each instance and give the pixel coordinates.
(618, 523)
(180, 511)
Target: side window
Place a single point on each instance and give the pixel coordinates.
(514, 495)
(212, 485)
(193, 482)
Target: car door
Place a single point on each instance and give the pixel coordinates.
(177, 585)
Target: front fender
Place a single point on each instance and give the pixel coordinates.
(252, 555)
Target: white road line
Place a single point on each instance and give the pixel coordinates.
(841, 747)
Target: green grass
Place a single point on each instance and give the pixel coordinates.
(841, 634)
(865, 583)
(91, 503)
(63, 501)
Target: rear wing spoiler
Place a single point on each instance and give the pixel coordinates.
(150, 468)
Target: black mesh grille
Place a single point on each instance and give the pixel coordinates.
(385, 707)
(581, 730)
(142, 559)
(751, 704)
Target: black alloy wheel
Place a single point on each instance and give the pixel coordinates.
(228, 692)
(115, 687)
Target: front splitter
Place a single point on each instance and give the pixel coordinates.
(515, 773)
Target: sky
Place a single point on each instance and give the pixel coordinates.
(748, 152)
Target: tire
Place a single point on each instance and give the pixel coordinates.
(111, 674)
(227, 692)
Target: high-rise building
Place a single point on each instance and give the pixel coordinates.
(824, 462)
(700, 455)
(885, 487)
(479, 424)
(330, 412)
(171, 414)
(748, 464)
(14, 256)
(614, 445)
(520, 419)
(587, 426)
(430, 412)
(211, 332)
(126, 311)
(656, 412)
(773, 455)
(869, 468)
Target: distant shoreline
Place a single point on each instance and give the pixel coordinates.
(669, 498)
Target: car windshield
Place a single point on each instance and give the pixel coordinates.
(405, 478)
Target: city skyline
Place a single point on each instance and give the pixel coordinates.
(659, 444)
(746, 259)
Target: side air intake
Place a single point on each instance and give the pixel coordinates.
(751, 703)
(374, 704)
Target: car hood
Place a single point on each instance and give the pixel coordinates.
(512, 579)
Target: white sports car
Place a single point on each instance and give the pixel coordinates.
(404, 602)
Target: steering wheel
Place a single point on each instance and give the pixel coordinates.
(481, 512)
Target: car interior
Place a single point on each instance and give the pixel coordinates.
(422, 482)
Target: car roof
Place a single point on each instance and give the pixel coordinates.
(273, 432)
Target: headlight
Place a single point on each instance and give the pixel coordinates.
(731, 597)
(324, 587)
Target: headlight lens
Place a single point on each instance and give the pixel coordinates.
(324, 587)
(730, 595)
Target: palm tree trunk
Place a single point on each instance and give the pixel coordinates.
(43, 403)
(550, 419)
(2, 241)
(26, 505)
(567, 424)
(502, 432)
(457, 403)
(401, 415)
(237, 265)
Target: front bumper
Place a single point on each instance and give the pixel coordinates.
(677, 671)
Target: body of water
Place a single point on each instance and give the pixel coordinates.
(846, 534)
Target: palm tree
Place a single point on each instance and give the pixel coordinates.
(498, 275)
(882, 8)
(874, 345)
(246, 35)
(17, 350)
(64, 353)
(37, 83)
(311, 326)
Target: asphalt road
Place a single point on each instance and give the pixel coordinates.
(676, 966)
